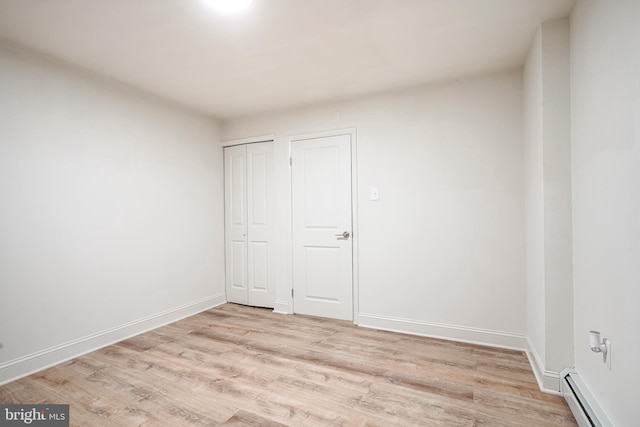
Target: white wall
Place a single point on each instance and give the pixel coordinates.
(605, 106)
(534, 202)
(111, 216)
(442, 252)
(557, 195)
(548, 203)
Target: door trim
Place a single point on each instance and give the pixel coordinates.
(250, 140)
(354, 212)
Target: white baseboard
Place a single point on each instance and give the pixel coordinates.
(444, 331)
(548, 381)
(32, 363)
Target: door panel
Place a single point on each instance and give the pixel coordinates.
(258, 186)
(321, 187)
(321, 203)
(322, 283)
(239, 265)
(259, 273)
(237, 174)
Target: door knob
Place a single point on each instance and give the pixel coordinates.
(343, 236)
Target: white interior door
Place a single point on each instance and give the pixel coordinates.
(322, 227)
(249, 224)
(235, 215)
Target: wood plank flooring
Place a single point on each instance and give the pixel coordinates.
(244, 366)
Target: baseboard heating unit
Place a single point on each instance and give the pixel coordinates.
(582, 404)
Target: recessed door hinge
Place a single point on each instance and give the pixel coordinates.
(290, 161)
(291, 292)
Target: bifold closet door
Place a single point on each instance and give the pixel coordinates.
(235, 218)
(249, 228)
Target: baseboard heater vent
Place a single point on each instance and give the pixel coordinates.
(581, 402)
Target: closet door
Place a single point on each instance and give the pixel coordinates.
(260, 227)
(235, 218)
(249, 228)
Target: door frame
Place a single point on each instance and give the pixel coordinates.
(252, 140)
(351, 132)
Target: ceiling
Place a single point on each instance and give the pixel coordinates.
(280, 53)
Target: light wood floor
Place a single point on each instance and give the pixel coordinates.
(236, 365)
